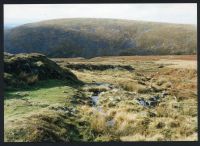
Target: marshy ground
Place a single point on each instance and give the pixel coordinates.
(106, 107)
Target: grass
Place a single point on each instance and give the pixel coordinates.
(165, 122)
(55, 110)
(20, 102)
(29, 106)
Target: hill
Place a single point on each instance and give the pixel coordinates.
(27, 69)
(84, 37)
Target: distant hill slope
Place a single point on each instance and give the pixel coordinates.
(84, 37)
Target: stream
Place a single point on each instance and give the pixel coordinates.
(152, 101)
(98, 108)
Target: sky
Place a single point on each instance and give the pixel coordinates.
(18, 14)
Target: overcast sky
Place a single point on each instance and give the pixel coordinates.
(17, 14)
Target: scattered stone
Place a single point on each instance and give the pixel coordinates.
(141, 101)
(115, 90)
(111, 99)
(22, 94)
(160, 125)
(110, 123)
(118, 98)
(151, 114)
(152, 101)
(95, 93)
(141, 82)
(154, 98)
(147, 103)
(111, 104)
(164, 94)
(161, 66)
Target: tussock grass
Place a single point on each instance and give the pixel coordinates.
(98, 123)
(173, 119)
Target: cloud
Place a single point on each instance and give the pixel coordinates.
(16, 14)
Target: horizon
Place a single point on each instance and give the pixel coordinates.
(163, 13)
(15, 25)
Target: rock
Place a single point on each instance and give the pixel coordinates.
(95, 93)
(66, 111)
(102, 93)
(73, 110)
(157, 97)
(115, 90)
(111, 104)
(160, 66)
(154, 98)
(118, 98)
(22, 94)
(164, 94)
(141, 82)
(153, 103)
(148, 78)
(110, 123)
(39, 63)
(111, 99)
(160, 125)
(147, 103)
(151, 114)
(142, 102)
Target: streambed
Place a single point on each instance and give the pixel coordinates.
(95, 102)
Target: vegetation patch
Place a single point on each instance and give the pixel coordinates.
(56, 110)
(99, 67)
(27, 69)
(101, 37)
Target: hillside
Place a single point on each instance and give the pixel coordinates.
(27, 69)
(101, 37)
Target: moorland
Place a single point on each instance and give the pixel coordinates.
(100, 80)
(98, 103)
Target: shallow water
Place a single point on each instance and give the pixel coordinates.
(111, 123)
(95, 99)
